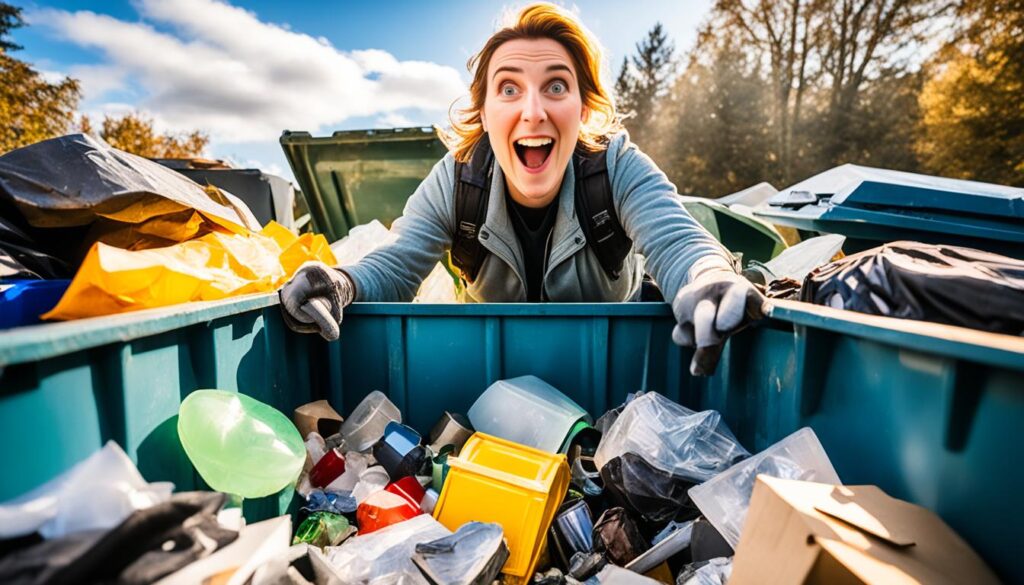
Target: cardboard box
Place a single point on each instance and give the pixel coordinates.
(805, 532)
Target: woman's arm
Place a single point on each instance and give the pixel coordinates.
(395, 271)
(674, 244)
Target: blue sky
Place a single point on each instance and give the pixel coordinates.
(245, 71)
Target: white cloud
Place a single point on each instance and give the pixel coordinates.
(218, 68)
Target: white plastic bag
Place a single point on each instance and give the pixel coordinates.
(97, 493)
(384, 556)
(672, 438)
(725, 499)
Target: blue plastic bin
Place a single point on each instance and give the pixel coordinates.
(932, 414)
(23, 301)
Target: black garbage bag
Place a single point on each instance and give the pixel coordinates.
(655, 495)
(147, 546)
(22, 257)
(911, 280)
(617, 535)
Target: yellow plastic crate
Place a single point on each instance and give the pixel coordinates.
(494, 480)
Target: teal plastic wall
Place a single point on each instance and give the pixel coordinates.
(932, 414)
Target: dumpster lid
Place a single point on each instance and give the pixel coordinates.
(353, 177)
(879, 204)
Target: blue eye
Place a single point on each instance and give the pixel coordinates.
(509, 90)
(558, 88)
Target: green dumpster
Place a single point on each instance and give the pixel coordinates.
(931, 413)
(354, 177)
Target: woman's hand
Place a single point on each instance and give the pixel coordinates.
(313, 299)
(709, 309)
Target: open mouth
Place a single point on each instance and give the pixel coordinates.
(534, 152)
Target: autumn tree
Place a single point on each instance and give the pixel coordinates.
(972, 125)
(643, 79)
(134, 133)
(31, 108)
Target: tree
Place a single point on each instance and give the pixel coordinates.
(643, 79)
(31, 108)
(972, 125)
(134, 133)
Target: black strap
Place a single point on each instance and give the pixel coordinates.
(595, 210)
(472, 186)
(594, 207)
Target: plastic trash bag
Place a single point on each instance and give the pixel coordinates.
(655, 495)
(910, 280)
(97, 493)
(216, 266)
(617, 535)
(472, 556)
(238, 444)
(724, 500)
(22, 257)
(712, 572)
(692, 445)
(78, 180)
(385, 556)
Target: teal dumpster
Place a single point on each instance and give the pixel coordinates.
(931, 413)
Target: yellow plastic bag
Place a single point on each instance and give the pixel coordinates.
(215, 266)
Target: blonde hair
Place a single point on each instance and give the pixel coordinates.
(540, 21)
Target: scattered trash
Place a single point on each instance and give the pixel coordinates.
(617, 535)
(387, 553)
(528, 411)
(97, 493)
(710, 572)
(724, 499)
(472, 556)
(572, 531)
(942, 284)
(238, 444)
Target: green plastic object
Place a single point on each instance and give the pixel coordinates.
(322, 529)
(743, 234)
(238, 444)
(354, 177)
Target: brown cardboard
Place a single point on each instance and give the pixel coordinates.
(317, 416)
(813, 533)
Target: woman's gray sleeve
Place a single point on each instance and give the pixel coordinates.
(654, 217)
(395, 271)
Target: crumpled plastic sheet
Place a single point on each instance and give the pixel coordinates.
(437, 287)
(385, 555)
(97, 493)
(215, 266)
(692, 445)
(714, 572)
(798, 261)
(473, 555)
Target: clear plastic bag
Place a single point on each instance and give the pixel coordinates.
(725, 499)
(384, 556)
(672, 438)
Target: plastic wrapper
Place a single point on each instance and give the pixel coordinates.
(724, 500)
(97, 493)
(334, 502)
(385, 556)
(472, 556)
(216, 266)
(692, 445)
(653, 494)
(712, 572)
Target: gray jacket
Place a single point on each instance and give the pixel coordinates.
(666, 240)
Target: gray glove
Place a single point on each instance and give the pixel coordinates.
(313, 299)
(713, 306)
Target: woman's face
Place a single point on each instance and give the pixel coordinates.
(532, 114)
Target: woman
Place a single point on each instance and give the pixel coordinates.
(540, 119)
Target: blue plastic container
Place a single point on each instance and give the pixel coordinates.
(23, 301)
(931, 413)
